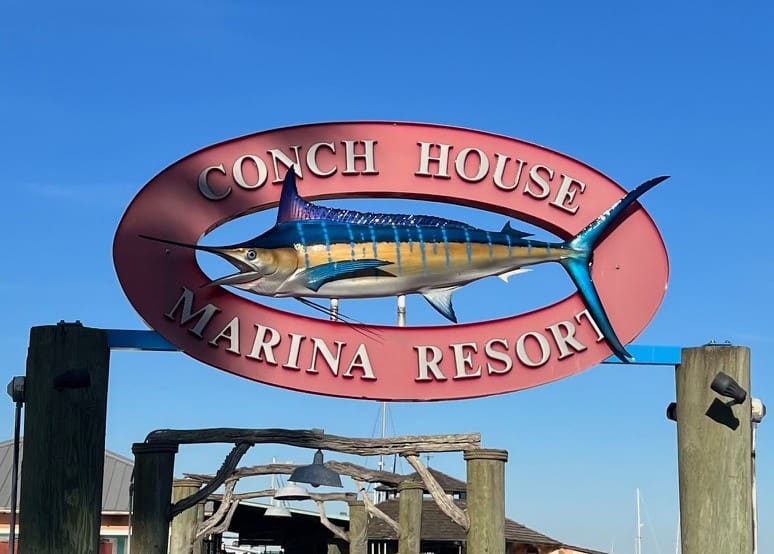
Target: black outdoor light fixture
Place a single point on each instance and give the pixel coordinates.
(724, 385)
(15, 390)
(316, 474)
(671, 411)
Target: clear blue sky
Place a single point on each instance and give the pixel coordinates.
(95, 100)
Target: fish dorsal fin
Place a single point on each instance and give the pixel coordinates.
(441, 300)
(291, 206)
(514, 233)
(294, 208)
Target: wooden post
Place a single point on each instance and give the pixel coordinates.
(358, 527)
(486, 500)
(64, 439)
(714, 453)
(154, 464)
(183, 526)
(410, 516)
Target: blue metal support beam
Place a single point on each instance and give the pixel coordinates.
(650, 355)
(131, 339)
(134, 339)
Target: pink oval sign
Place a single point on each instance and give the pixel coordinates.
(165, 284)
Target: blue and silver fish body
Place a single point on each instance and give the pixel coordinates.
(366, 260)
(316, 251)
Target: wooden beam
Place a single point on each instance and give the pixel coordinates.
(316, 438)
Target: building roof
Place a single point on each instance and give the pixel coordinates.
(116, 477)
(437, 526)
(577, 550)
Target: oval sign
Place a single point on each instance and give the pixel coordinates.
(165, 284)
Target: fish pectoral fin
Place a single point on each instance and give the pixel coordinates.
(316, 277)
(441, 300)
(508, 274)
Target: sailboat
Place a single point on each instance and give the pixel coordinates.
(640, 525)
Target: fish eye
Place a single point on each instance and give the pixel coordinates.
(251, 255)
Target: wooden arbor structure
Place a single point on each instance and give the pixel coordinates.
(483, 521)
(65, 399)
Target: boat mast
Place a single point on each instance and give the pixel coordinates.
(401, 316)
(384, 433)
(638, 544)
(677, 540)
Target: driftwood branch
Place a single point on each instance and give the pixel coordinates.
(335, 529)
(323, 497)
(271, 469)
(226, 469)
(372, 509)
(221, 519)
(407, 446)
(205, 527)
(333, 496)
(348, 469)
(316, 438)
(229, 500)
(360, 473)
(224, 525)
(446, 505)
(255, 494)
(247, 471)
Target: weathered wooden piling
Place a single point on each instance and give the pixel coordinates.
(358, 527)
(486, 500)
(154, 465)
(64, 439)
(183, 526)
(714, 442)
(410, 516)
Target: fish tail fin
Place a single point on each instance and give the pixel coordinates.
(578, 266)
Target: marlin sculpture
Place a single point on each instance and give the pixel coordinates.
(315, 251)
